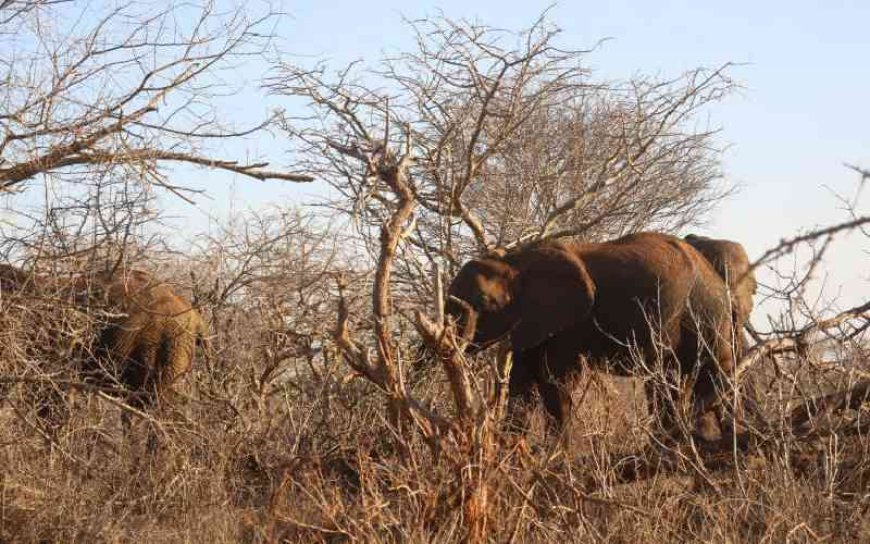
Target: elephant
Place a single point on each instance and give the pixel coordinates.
(152, 340)
(643, 299)
(732, 263)
(148, 339)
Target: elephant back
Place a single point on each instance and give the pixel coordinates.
(727, 257)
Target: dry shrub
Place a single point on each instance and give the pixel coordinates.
(275, 440)
(311, 457)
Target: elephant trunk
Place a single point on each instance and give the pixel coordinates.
(465, 317)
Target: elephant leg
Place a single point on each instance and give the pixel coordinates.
(709, 411)
(750, 414)
(138, 377)
(710, 384)
(663, 402)
(556, 397)
(546, 367)
(559, 364)
(521, 389)
(697, 379)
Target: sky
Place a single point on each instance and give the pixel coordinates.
(801, 114)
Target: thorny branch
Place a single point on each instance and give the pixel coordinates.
(511, 144)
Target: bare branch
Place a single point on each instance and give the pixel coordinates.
(120, 96)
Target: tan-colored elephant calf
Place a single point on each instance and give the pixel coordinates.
(153, 340)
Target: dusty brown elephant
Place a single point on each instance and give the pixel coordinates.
(559, 302)
(732, 263)
(149, 333)
(151, 341)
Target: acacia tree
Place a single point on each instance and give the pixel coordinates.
(482, 138)
(100, 101)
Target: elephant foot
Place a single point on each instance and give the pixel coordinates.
(712, 439)
(705, 434)
(725, 434)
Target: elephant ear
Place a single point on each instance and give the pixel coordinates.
(554, 292)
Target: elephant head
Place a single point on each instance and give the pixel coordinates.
(731, 262)
(531, 296)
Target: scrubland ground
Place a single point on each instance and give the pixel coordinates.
(307, 455)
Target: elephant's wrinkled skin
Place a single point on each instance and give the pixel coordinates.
(148, 339)
(559, 302)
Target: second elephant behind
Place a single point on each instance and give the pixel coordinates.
(730, 260)
(146, 333)
(151, 340)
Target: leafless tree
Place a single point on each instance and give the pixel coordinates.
(513, 141)
(265, 281)
(815, 350)
(122, 88)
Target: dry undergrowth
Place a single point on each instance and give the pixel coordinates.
(244, 458)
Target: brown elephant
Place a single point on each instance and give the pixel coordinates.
(150, 334)
(644, 299)
(152, 338)
(732, 263)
